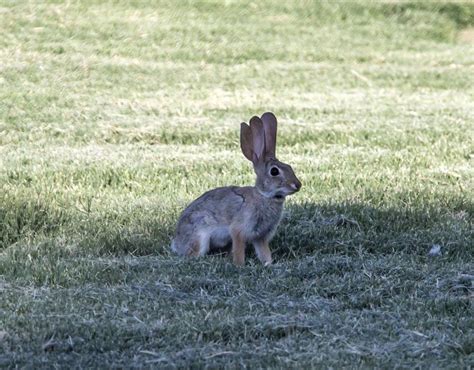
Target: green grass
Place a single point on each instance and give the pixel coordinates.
(114, 116)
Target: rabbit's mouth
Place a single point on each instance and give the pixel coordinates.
(283, 193)
(280, 194)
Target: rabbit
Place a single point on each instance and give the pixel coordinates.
(239, 215)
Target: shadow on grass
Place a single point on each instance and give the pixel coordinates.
(347, 227)
(353, 227)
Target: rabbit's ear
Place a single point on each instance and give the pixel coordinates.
(270, 127)
(246, 141)
(258, 138)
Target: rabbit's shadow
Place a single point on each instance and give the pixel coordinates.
(352, 227)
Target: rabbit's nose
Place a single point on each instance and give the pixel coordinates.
(296, 185)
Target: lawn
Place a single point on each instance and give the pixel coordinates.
(115, 115)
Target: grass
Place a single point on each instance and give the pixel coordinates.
(115, 115)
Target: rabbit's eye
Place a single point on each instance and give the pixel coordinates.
(274, 171)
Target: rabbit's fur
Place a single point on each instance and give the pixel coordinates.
(239, 215)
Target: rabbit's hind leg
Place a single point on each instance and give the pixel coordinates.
(188, 248)
(196, 246)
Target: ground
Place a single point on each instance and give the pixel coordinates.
(115, 115)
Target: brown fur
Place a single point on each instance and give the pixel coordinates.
(241, 215)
